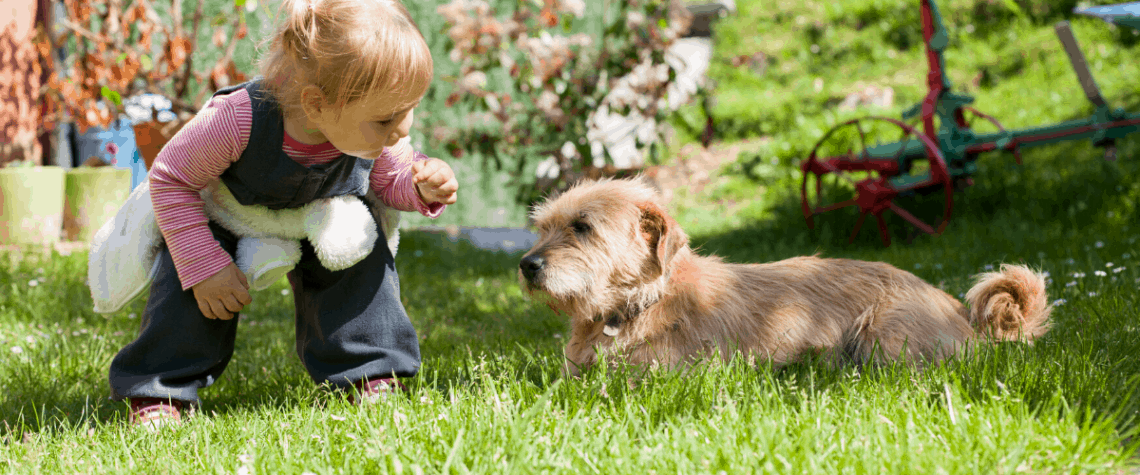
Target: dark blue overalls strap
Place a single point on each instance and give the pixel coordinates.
(265, 175)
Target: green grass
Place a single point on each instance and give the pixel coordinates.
(490, 397)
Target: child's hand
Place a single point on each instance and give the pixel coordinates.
(435, 181)
(223, 294)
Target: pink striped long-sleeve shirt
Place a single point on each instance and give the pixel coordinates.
(209, 144)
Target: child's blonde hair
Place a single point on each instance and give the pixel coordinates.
(347, 48)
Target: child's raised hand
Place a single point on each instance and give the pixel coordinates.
(435, 181)
(223, 294)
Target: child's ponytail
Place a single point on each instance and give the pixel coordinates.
(346, 48)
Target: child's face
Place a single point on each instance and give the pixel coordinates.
(365, 127)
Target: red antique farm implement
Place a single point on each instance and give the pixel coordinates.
(931, 162)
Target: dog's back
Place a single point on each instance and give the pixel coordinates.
(862, 310)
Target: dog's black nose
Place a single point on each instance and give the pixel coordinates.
(530, 266)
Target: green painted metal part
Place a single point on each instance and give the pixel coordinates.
(961, 142)
(960, 147)
(1126, 14)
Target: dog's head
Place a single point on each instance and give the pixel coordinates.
(598, 241)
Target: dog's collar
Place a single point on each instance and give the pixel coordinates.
(613, 325)
(617, 319)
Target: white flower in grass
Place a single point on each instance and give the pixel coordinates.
(17, 350)
(1099, 244)
(1118, 270)
(1071, 284)
(1046, 274)
(132, 316)
(336, 417)
(1059, 302)
(284, 291)
(1100, 273)
(1092, 294)
(1109, 264)
(1078, 274)
(29, 339)
(33, 283)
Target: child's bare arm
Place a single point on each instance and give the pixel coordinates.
(223, 294)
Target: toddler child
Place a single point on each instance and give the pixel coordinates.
(329, 116)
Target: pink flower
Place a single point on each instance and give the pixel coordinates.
(112, 151)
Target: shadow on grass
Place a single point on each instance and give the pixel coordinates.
(1066, 188)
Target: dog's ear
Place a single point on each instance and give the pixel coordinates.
(662, 233)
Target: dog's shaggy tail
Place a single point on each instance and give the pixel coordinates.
(1009, 305)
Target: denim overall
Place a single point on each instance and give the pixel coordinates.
(350, 323)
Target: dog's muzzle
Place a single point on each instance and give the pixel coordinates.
(531, 266)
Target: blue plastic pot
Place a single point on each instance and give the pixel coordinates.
(115, 147)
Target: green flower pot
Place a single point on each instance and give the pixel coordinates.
(92, 196)
(31, 205)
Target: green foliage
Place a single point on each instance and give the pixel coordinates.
(529, 89)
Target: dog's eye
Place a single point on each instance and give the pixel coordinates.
(580, 227)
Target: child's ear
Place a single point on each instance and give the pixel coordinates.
(312, 101)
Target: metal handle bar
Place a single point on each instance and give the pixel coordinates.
(1077, 58)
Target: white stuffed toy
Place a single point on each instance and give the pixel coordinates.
(342, 231)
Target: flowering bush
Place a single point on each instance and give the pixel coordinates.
(534, 91)
(123, 47)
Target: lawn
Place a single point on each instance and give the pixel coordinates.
(490, 397)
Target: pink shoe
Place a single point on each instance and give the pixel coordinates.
(375, 390)
(153, 412)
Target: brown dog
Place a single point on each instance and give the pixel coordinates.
(621, 268)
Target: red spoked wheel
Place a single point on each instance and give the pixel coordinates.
(866, 163)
